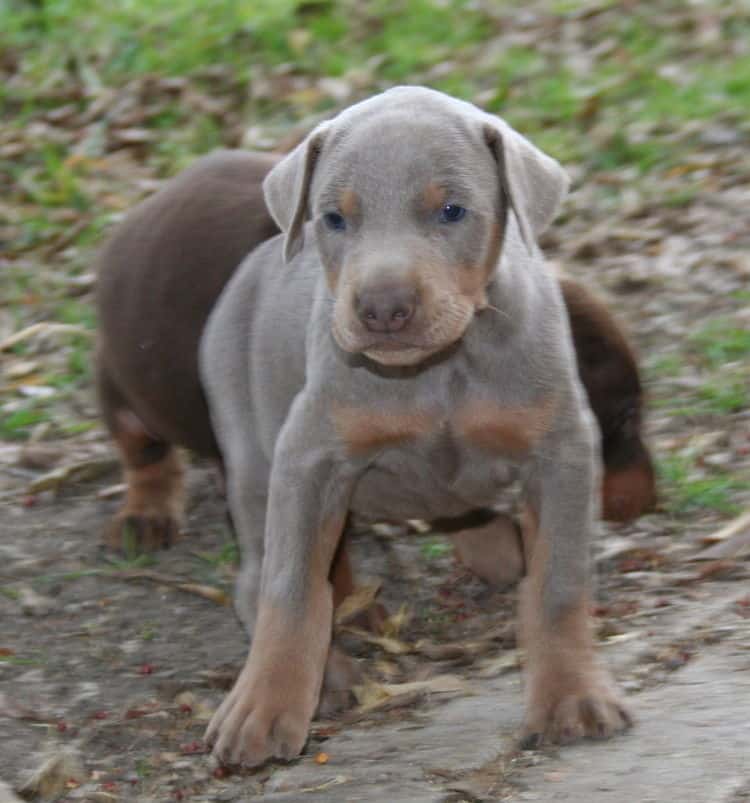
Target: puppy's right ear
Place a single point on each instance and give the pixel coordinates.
(287, 187)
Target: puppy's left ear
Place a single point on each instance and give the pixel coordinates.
(287, 187)
(533, 182)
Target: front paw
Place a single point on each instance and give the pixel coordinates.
(562, 712)
(266, 715)
(133, 533)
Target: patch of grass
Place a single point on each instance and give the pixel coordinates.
(149, 631)
(668, 365)
(435, 547)
(687, 491)
(728, 395)
(17, 425)
(19, 660)
(721, 341)
(228, 555)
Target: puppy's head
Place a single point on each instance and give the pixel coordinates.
(408, 194)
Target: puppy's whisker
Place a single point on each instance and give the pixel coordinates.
(499, 311)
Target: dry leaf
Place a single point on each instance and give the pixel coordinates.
(393, 625)
(507, 662)
(732, 541)
(43, 328)
(84, 471)
(49, 780)
(356, 603)
(386, 643)
(374, 696)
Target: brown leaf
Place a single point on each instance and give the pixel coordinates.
(356, 603)
(386, 643)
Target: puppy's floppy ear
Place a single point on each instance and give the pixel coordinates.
(533, 182)
(287, 186)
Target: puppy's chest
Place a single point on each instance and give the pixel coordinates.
(426, 463)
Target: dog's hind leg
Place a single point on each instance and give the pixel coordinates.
(152, 513)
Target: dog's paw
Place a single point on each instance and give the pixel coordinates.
(590, 708)
(133, 533)
(493, 551)
(342, 674)
(266, 715)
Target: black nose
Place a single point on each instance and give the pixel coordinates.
(386, 309)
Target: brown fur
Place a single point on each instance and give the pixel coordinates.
(365, 430)
(433, 197)
(349, 203)
(505, 430)
(153, 507)
(609, 372)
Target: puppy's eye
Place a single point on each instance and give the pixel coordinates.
(452, 213)
(335, 221)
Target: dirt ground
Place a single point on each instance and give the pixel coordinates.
(111, 668)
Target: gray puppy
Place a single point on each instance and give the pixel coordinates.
(401, 351)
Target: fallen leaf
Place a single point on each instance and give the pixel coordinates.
(50, 779)
(732, 541)
(374, 696)
(507, 662)
(387, 644)
(356, 603)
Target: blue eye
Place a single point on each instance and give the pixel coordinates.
(335, 221)
(452, 213)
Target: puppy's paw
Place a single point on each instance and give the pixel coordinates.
(133, 533)
(562, 713)
(266, 715)
(492, 551)
(342, 674)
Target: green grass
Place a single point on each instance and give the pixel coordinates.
(227, 555)
(18, 424)
(687, 490)
(721, 341)
(434, 547)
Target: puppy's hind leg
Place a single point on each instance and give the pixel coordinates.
(151, 516)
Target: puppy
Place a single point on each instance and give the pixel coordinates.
(405, 354)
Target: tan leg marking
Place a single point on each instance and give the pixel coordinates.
(569, 695)
(151, 516)
(628, 492)
(493, 551)
(268, 712)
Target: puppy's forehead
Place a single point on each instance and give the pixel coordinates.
(388, 144)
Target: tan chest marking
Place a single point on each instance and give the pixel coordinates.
(506, 430)
(364, 430)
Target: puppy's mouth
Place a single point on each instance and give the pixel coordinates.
(391, 349)
(433, 331)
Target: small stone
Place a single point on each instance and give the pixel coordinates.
(33, 603)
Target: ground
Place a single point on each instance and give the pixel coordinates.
(110, 667)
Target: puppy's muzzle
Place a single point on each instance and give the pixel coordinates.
(385, 310)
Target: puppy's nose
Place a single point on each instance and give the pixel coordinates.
(386, 309)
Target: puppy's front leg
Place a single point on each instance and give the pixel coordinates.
(267, 714)
(569, 694)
